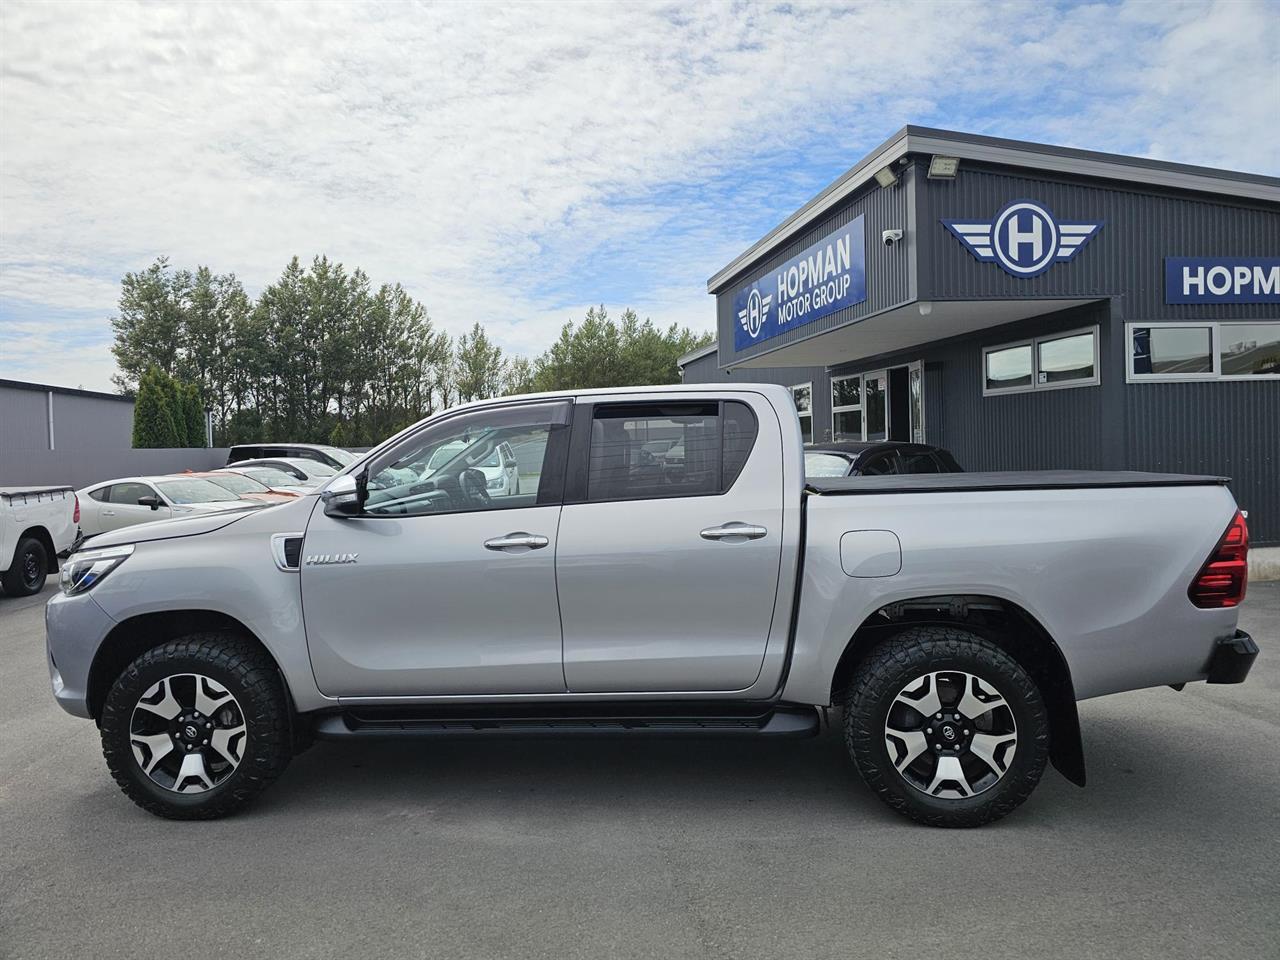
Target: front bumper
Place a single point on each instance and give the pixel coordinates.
(74, 630)
(1232, 659)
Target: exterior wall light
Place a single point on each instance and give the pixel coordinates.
(943, 168)
(886, 177)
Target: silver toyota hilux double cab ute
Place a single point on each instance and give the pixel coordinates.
(662, 568)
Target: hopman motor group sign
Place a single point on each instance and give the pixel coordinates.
(1222, 279)
(823, 278)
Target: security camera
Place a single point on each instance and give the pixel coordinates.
(890, 237)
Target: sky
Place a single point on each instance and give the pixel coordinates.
(516, 163)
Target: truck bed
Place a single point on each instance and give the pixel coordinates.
(11, 492)
(1003, 480)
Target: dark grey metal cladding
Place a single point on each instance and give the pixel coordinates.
(1226, 426)
(887, 268)
(1125, 258)
(1033, 430)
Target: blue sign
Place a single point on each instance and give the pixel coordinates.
(821, 279)
(1024, 238)
(1222, 279)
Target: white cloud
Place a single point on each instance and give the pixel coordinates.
(492, 158)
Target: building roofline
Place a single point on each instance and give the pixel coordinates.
(69, 391)
(698, 354)
(1017, 153)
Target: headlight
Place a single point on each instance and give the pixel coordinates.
(82, 571)
(495, 484)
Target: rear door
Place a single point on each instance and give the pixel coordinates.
(668, 567)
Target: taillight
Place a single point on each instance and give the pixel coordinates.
(1222, 580)
(75, 516)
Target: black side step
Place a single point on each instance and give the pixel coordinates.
(778, 722)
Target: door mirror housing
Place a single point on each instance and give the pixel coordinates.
(345, 496)
(151, 501)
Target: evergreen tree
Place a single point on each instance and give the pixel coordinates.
(153, 423)
(193, 414)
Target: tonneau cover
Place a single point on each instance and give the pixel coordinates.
(1004, 480)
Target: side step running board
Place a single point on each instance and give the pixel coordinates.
(782, 722)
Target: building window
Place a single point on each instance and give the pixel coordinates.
(846, 408)
(1043, 363)
(1172, 351)
(802, 394)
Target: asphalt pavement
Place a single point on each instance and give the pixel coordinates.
(706, 850)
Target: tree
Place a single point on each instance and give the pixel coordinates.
(149, 327)
(153, 422)
(193, 414)
(480, 371)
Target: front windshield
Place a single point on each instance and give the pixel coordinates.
(825, 465)
(272, 477)
(194, 490)
(314, 468)
(237, 483)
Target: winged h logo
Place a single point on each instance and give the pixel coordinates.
(755, 313)
(1024, 238)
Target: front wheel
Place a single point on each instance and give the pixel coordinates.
(946, 727)
(196, 728)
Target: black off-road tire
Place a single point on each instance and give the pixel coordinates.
(250, 676)
(26, 574)
(900, 660)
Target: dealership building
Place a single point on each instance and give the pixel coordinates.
(1026, 307)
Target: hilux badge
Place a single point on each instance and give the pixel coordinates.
(322, 558)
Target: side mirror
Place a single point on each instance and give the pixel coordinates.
(345, 496)
(151, 501)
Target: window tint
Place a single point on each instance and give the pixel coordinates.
(879, 464)
(1009, 367)
(1249, 349)
(620, 468)
(450, 467)
(130, 492)
(917, 463)
(101, 494)
(739, 438)
(651, 451)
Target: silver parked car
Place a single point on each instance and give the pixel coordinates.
(955, 618)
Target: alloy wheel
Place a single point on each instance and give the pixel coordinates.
(188, 733)
(950, 734)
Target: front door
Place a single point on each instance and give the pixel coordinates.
(668, 561)
(441, 587)
(123, 510)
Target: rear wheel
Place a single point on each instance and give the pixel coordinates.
(196, 728)
(946, 727)
(26, 574)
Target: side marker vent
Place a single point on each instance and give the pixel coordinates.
(286, 549)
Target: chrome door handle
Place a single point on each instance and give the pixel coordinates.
(534, 541)
(108, 513)
(734, 532)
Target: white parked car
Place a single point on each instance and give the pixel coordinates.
(131, 500)
(37, 525)
(500, 469)
(305, 473)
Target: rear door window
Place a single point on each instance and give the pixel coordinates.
(130, 492)
(650, 451)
